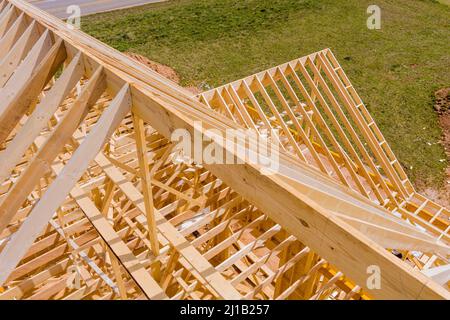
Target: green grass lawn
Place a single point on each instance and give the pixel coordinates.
(395, 70)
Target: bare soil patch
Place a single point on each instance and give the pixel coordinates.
(162, 69)
(442, 107)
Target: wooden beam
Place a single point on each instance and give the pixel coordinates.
(41, 115)
(61, 186)
(12, 35)
(144, 173)
(40, 165)
(7, 19)
(16, 96)
(18, 52)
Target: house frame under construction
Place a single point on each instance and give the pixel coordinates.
(93, 205)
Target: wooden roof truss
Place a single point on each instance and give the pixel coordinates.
(93, 207)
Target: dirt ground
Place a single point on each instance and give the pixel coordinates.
(163, 70)
(442, 107)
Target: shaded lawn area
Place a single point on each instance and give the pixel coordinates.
(396, 69)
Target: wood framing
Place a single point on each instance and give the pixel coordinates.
(96, 204)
